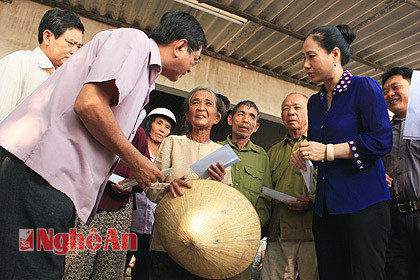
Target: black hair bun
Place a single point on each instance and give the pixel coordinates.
(347, 33)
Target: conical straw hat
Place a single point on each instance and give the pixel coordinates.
(212, 231)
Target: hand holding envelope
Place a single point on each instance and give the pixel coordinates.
(129, 183)
(277, 195)
(308, 175)
(224, 157)
(122, 185)
(217, 171)
(300, 204)
(212, 165)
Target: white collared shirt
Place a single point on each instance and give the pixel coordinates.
(21, 73)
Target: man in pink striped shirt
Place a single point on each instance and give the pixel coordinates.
(59, 147)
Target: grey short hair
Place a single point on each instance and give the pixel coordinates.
(293, 93)
(186, 106)
(248, 103)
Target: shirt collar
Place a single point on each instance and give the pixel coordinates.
(287, 138)
(249, 145)
(155, 55)
(43, 61)
(394, 118)
(341, 86)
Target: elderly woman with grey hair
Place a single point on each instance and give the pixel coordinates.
(202, 109)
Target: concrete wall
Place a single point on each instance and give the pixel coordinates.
(18, 28)
(238, 83)
(19, 22)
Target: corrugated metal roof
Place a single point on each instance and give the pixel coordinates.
(387, 32)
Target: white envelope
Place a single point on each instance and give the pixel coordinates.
(277, 195)
(224, 154)
(117, 178)
(308, 175)
(412, 120)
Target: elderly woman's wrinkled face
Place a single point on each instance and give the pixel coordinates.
(203, 110)
(159, 129)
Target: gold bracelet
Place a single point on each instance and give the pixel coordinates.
(330, 152)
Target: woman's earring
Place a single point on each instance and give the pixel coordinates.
(335, 65)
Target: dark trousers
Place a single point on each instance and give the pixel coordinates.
(165, 268)
(27, 201)
(352, 246)
(141, 269)
(403, 253)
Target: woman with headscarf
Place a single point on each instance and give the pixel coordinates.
(159, 123)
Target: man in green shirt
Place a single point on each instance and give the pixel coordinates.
(252, 172)
(291, 249)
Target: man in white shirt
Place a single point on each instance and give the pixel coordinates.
(59, 35)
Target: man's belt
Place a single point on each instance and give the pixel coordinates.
(406, 207)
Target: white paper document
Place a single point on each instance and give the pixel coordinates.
(114, 178)
(167, 171)
(117, 178)
(277, 195)
(225, 155)
(308, 175)
(412, 120)
(129, 184)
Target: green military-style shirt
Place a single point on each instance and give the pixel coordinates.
(287, 179)
(250, 174)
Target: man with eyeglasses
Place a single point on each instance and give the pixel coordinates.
(60, 35)
(60, 146)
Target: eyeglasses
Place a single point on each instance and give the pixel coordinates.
(190, 50)
(72, 43)
(196, 61)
